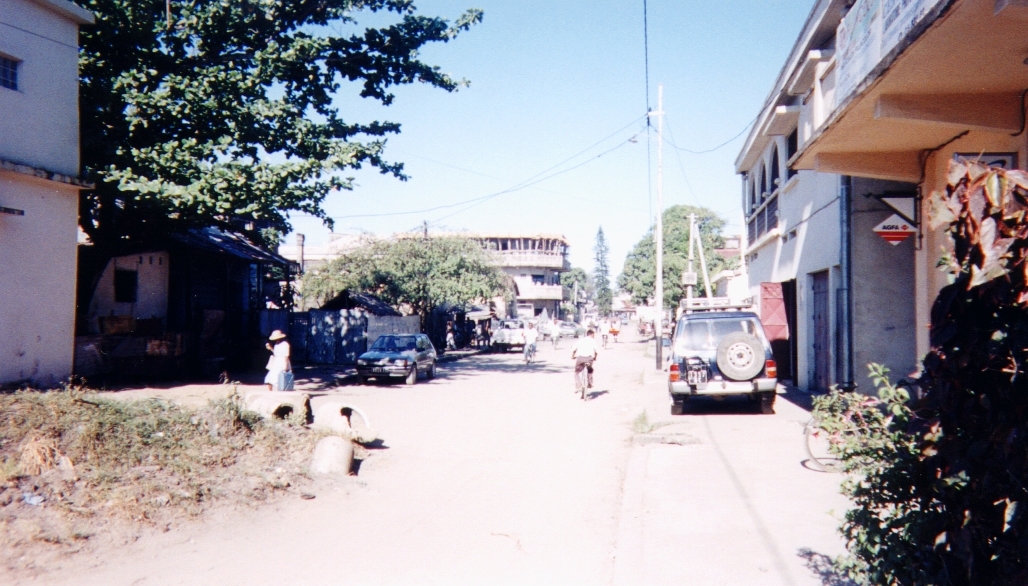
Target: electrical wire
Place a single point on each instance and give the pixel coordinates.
(482, 200)
(526, 183)
(681, 167)
(718, 147)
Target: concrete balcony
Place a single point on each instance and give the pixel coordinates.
(533, 258)
(535, 292)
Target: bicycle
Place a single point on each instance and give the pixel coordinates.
(529, 353)
(581, 380)
(604, 341)
(818, 444)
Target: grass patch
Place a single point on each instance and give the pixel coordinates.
(642, 424)
(142, 460)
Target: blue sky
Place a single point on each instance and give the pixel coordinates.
(551, 78)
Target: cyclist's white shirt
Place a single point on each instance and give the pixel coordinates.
(584, 347)
(531, 335)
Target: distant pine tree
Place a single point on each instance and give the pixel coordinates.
(601, 275)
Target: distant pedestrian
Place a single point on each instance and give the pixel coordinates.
(451, 339)
(280, 368)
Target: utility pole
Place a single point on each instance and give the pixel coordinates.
(426, 229)
(658, 295)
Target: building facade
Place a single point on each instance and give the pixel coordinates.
(534, 262)
(875, 100)
(39, 185)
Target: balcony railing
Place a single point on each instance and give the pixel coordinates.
(540, 292)
(763, 220)
(533, 258)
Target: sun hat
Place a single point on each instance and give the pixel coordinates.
(277, 335)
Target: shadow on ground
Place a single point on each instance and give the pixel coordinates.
(821, 566)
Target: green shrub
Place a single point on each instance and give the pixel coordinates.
(940, 490)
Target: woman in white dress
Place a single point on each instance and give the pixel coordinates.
(279, 361)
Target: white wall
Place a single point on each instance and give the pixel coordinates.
(40, 122)
(37, 291)
(38, 251)
(151, 296)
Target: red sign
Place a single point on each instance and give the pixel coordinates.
(895, 229)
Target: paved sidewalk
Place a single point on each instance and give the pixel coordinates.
(722, 496)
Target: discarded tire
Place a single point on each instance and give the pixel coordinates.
(740, 356)
(333, 456)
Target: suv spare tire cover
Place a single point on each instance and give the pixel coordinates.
(740, 356)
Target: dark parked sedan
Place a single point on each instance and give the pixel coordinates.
(398, 356)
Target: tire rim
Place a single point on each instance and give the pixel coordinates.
(741, 356)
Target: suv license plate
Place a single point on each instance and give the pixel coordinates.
(379, 369)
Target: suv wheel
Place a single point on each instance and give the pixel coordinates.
(740, 356)
(677, 405)
(767, 402)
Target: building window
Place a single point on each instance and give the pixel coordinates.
(8, 73)
(539, 279)
(794, 146)
(126, 286)
(775, 170)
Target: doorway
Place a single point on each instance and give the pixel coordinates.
(822, 337)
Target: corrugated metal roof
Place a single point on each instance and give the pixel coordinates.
(231, 243)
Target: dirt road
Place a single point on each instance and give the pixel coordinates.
(496, 473)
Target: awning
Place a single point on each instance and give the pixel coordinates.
(966, 72)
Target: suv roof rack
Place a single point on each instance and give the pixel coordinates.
(697, 304)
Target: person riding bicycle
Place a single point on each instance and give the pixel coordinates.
(584, 353)
(531, 336)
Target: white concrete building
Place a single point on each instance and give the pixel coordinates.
(535, 263)
(794, 236)
(39, 167)
(875, 99)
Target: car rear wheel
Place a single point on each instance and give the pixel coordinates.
(740, 356)
(767, 402)
(431, 372)
(363, 380)
(412, 376)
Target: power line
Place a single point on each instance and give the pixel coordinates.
(516, 187)
(741, 132)
(681, 167)
(520, 187)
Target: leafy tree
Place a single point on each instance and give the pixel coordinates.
(941, 487)
(223, 112)
(584, 281)
(601, 275)
(413, 274)
(639, 275)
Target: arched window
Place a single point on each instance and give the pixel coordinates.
(775, 170)
(762, 185)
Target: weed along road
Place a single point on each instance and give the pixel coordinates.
(497, 473)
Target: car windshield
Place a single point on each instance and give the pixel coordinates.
(395, 343)
(706, 334)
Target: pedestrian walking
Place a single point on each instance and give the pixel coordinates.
(451, 339)
(280, 368)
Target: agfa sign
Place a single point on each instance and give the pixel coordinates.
(895, 229)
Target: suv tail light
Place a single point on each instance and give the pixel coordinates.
(770, 369)
(675, 374)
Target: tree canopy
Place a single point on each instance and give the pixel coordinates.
(639, 275)
(224, 113)
(601, 274)
(413, 274)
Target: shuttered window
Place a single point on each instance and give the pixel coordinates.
(8, 73)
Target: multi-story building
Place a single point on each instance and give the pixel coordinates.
(875, 99)
(39, 187)
(535, 263)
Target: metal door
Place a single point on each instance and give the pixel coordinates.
(775, 318)
(822, 332)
